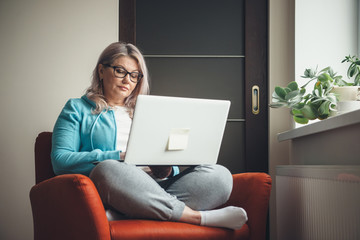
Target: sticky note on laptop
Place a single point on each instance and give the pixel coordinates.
(178, 139)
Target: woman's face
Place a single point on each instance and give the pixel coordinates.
(116, 89)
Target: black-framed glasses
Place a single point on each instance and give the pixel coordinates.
(121, 72)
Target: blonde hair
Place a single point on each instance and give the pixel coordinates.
(115, 50)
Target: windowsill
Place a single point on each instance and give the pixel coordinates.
(331, 123)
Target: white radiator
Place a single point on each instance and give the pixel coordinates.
(318, 202)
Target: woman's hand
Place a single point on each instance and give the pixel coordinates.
(122, 156)
(161, 171)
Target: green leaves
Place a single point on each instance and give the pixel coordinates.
(293, 86)
(309, 111)
(309, 73)
(317, 104)
(354, 68)
(324, 77)
(288, 96)
(299, 117)
(281, 92)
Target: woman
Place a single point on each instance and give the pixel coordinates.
(91, 134)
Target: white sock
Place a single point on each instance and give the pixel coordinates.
(228, 217)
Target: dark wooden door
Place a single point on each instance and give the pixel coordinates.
(209, 49)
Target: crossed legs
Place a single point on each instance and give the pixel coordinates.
(186, 197)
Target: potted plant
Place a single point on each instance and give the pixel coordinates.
(349, 95)
(354, 68)
(319, 104)
(330, 93)
(350, 92)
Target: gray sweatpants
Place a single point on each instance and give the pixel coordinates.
(132, 192)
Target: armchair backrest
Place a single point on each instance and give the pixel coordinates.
(43, 167)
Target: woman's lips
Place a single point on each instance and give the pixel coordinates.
(123, 88)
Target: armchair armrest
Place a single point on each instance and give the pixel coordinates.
(251, 191)
(68, 207)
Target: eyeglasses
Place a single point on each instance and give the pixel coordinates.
(121, 72)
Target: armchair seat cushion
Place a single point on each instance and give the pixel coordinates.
(158, 230)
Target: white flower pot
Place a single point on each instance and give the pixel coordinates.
(349, 98)
(347, 93)
(347, 106)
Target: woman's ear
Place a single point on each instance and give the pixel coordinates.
(101, 70)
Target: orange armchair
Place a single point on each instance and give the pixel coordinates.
(69, 207)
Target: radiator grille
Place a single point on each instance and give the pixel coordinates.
(318, 203)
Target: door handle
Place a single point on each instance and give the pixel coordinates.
(255, 106)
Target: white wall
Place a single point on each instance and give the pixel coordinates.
(326, 32)
(48, 49)
(281, 71)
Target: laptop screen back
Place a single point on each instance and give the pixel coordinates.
(176, 131)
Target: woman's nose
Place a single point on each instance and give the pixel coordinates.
(126, 79)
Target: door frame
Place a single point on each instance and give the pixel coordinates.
(256, 74)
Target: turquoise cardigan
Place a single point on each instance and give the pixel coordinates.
(81, 138)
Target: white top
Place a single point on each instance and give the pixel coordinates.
(123, 125)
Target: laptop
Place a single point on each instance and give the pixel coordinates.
(176, 131)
